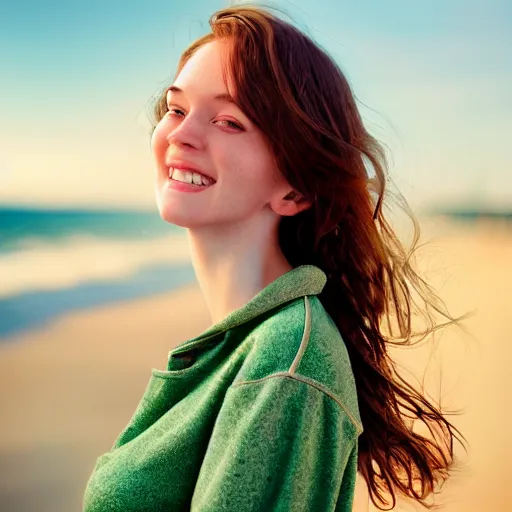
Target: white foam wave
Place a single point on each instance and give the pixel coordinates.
(79, 259)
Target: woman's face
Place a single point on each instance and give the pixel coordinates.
(205, 131)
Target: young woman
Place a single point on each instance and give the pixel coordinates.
(260, 153)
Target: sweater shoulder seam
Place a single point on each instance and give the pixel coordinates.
(310, 382)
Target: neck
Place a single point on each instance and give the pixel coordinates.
(232, 264)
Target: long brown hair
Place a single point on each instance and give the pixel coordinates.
(299, 98)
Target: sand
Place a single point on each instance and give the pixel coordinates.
(67, 390)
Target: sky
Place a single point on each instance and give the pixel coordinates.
(433, 82)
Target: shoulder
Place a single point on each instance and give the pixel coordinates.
(301, 342)
(287, 401)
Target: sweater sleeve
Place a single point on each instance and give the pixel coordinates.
(278, 444)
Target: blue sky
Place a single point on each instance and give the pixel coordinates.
(433, 81)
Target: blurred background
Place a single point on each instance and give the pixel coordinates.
(95, 289)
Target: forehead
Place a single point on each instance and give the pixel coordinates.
(203, 70)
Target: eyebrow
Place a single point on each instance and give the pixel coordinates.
(219, 97)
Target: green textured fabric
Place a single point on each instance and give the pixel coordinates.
(258, 413)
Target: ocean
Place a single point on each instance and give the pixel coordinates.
(53, 261)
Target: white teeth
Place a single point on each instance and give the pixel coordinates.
(181, 175)
(188, 177)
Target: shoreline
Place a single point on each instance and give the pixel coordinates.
(27, 312)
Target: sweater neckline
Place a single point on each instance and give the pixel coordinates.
(297, 282)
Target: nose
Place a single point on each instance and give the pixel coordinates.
(188, 133)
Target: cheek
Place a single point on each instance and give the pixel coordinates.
(158, 140)
(248, 164)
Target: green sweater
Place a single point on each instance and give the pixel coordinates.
(258, 413)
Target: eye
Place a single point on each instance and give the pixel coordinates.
(171, 111)
(231, 124)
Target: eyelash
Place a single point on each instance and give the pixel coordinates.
(231, 123)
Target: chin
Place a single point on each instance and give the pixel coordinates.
(170, 211)
(170, 215)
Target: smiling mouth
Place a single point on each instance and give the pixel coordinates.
(190, 177)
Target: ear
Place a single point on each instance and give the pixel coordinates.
(291, 204)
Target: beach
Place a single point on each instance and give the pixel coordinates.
(69, 387)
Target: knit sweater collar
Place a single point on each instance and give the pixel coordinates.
(300, 281)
